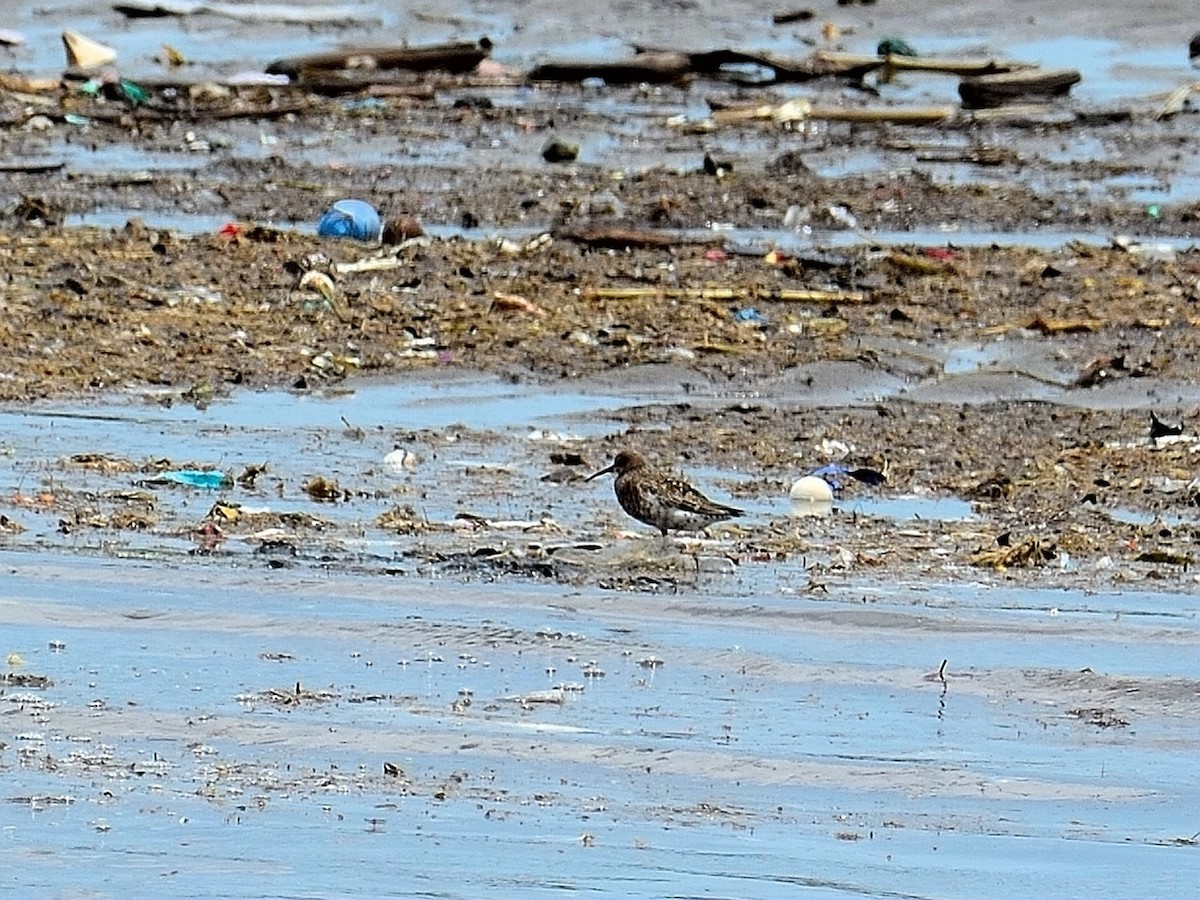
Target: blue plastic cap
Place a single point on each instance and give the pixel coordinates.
(351, 219)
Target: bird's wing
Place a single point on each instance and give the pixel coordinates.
(686, 498)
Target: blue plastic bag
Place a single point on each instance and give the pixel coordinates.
(352, 219)
(206, 479)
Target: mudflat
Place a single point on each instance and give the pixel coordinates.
(301, 559)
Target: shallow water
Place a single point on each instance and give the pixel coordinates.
(780, 745)
(737, 736)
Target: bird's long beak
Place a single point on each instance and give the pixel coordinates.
(603, 471)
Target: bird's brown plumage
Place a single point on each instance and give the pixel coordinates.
(661, 499)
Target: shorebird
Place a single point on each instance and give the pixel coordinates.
(661, 499)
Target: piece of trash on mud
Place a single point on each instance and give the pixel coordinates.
(1029, 551)
(715, 168)
(918, 265)
(335, 364)
(895, 47)
(85, 53)
(225, 512)
(170, 57)
(1159, 428)
(1176, 101)
(320, 283)
(826, 326)
(556, 150)
(1166, 558)
(205, 479)
(509, 247)
(381, 263)
(795, 15)
(24, 679)
(289, 697)
(323, 490)
(351, 218)
(842, 216)
(516, 303)
(811, 497)
(250, 474)
(37, 211)
(750, 316)
(111, 87)
(1099, 370)
(10, 527)
(401, 460)
(1101, 717)
(865, 474)
(1160, 252)
(1050, 326)
(554, 696)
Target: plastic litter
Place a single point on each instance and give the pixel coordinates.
(209, 480)
(355, 219)
(84, 53)
(811, 496)
(751, 316)
(811, 489)
(895, 47)
(842, 216)
(115, 89)
(832, 475)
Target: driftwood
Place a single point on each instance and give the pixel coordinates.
(988, 91)
(458, 57)
(651, 66)
(895, 63)
(334, 84)
(818, 65)
(930, 115)
(795, 15)
(801, 111)
(658, 64)
(33, 167)
(851, 66)
(118, 115)
(821, 65)
(254, 12)
(955, 66)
